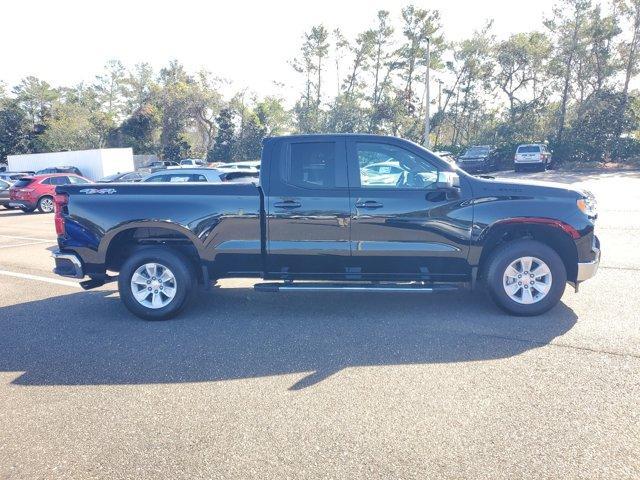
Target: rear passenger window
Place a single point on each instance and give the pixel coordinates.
(58, 180)
(310, 165)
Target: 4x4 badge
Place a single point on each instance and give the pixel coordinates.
(98, 191)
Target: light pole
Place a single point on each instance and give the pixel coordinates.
(427, 127)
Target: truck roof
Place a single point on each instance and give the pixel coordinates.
(333, 135)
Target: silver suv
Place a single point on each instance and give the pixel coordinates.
(533, 155)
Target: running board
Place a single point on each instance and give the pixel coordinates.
(355, 287)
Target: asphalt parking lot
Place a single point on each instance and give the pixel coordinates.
(322, 385)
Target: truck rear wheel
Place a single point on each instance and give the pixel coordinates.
(155, 283)
(526, 277)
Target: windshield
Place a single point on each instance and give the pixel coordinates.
(473, 151)
(529, 149)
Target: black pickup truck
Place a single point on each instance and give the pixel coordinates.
(331, 212)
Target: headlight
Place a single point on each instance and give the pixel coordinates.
(588, 206)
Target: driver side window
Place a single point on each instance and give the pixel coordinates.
(389, 166)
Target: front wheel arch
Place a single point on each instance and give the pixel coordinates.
(549, 234)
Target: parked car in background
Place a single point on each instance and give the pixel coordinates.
(248, 165)
(4, 193)
(182, 175)
(479, 158)
(159, 165)
(535, 156)
(240, 176)
(210, 175)
(122, 177)
(38, 191)
(12, 177)
(193, 162)
(65, 169)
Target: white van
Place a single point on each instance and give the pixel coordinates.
(534, 155)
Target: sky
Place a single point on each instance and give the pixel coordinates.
(250, 43)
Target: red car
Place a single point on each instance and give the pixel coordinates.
(37, 191)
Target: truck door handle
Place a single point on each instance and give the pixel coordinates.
(369, 204)
(287, 204)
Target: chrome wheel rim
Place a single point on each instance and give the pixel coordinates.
(46, 204)
(153, 285)
(527, 280)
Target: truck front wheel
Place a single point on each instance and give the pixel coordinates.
(526, 277)
(155, 283)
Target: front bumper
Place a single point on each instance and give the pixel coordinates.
(473, 166)
(67, 264)
(586, 270)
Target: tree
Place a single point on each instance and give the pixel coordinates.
(273, 116)
(520, 66)
(174, 95)
(14, 130)
(110, 89)
(630, 55)
(225, 138)
(206, 102)
(567, 27)
(140, 131)
(313, 53)
(70, 128)
(419, 27)
(138, 87)
(35, 98)
(249, 145)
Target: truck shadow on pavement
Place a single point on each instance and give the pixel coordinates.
(89, 338)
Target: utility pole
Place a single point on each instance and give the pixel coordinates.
(427, 126)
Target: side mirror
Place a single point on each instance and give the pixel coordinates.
(447, 181)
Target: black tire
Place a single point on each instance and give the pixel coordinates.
(504, 255)
(517, 168)
(45, 204)
(174, 261)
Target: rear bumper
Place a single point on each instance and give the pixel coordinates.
(22, 204)
(67, 264)
(529, 161)
(586, 270)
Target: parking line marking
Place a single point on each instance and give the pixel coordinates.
(29, 238)
(41, 242)
(27, 276)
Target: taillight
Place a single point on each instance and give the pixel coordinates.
(60, 201)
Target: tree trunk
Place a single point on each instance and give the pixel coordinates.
(631, 61)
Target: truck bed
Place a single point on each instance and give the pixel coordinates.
(219, 219)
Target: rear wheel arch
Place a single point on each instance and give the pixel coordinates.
(550, 234)
(124, 243)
